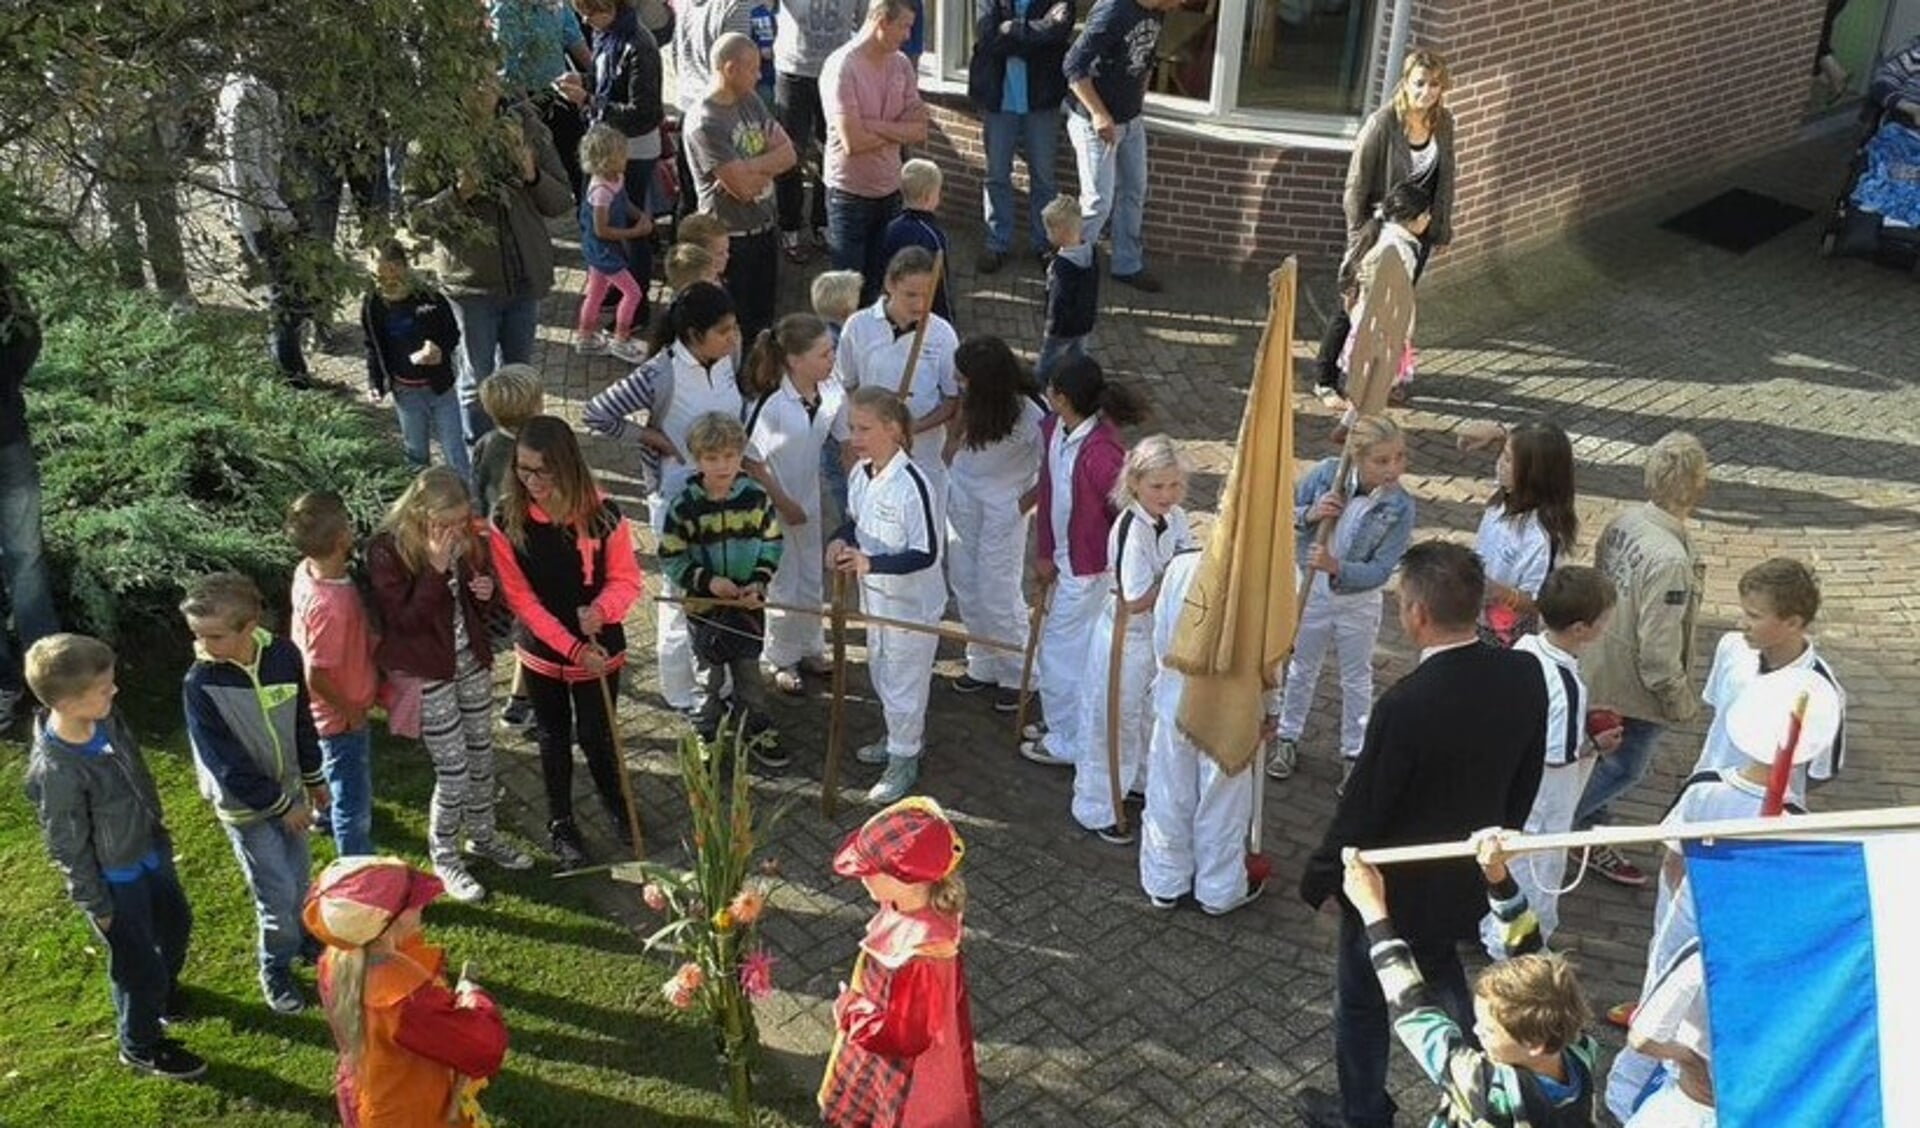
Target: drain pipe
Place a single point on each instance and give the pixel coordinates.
(1397, 44)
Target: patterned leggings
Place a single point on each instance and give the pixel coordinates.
(456, 724)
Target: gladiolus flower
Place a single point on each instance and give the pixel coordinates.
(756, 974)
(723, 921)
(655, 897)
(748, 904)
(681, 988)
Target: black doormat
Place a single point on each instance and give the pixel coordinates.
(1737, 220)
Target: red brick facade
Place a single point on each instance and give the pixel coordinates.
(1565, 108)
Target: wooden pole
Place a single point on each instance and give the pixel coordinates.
(837, 710)
(939, 630)
(1116, 657)
(1035, 618)
(920, 330)
(620, 762)
(1800, 826)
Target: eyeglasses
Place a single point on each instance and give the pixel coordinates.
(533, 473)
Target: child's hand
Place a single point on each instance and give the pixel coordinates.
(442, 542)
(594, 660)
(1366, 890)
(835, 548)
(1329, 505)
(481, 586)
(1045, 570)
(591, 620)
(792, 513)
(427, 356)
(1490, 850)
(298, 820)
(723, 588)
(1608, 742)
(1319, 559)
(854, 562)
(752, 595)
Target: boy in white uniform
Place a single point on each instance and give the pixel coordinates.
(877, 342)
(1670, 1032)
(1574, 603)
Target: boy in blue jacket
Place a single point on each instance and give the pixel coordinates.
(257, 755)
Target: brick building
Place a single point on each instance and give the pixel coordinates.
(1564, 107)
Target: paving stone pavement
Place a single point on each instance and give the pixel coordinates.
(1798, 373)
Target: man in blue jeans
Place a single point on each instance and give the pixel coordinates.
(21, 551)
(1107, 70)
(1016, 83)
(871, 96)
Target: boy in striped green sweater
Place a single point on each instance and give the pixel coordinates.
(722, 541)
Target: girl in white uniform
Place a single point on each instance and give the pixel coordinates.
(891, 542)
(1193, 834)
(875, 346)
(1083, 453)
(797, 405)
(993, 455)
(1529, 523)
(1372, 528)
(1150, 530)
(690, 373)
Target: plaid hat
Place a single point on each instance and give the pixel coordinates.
(911, 841)
(358, 897)
(1757, 722)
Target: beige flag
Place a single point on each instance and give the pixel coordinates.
(1239, 619)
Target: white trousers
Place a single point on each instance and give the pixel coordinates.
(986, 545)
(1062, 659)
(927, 447)
(800, 580)
(1092, 783)
(1351, 623)
(1540, 875)
(1669, 1107)
(900, 663)
(1193, 835)
(673, 645)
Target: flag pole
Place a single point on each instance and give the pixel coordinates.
(1782, 773)
(1799, 826)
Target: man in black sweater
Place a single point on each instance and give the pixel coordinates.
(1458, 745)
(27, 586)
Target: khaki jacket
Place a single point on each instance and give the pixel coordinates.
(1639, 667)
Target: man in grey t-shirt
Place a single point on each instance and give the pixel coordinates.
(736, 149)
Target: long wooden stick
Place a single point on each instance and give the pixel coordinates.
(620, 762)
(1035, 618)
(1800, 826)
(943, 630)
(1116, 658)
(920, 330)
(837, 709)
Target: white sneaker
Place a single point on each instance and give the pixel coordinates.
(786, 679)
(501, 853)
(901, 774)
(1282, 756)
(1036, 750)
(1249, 897)
(875, 753)
(590, 344)
(629, 350)
(1035, 730)
(460, 884)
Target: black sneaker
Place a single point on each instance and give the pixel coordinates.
(1006, 701)
(569, 849)
(966, 683)
(299, 381)
(168, 1059)
(518, 714)
(765, 751)
(1140, 280)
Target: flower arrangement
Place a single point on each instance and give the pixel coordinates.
(714, 909)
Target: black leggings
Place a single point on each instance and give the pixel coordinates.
(562, 713)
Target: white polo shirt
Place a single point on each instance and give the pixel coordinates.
(1515, 551)
(1004, 469)
(787, 437)
(1735, 666)
(895, 510)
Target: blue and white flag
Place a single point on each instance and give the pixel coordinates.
(1812, 954)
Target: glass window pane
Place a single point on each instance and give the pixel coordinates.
(1305, 55)
(1185, 67)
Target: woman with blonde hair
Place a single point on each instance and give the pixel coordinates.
(432, 585)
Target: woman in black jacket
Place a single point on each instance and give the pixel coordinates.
(626, 95)
(1015, 80)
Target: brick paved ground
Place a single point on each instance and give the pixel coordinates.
(1800, 376)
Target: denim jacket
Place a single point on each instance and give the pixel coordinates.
(1378, 544)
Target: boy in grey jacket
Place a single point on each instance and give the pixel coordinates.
(100, 811)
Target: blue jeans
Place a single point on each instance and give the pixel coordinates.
(856, 235)
(1362, 1030)
(22, 560)
(146, 948)
(278, 867)
(425, 414)
(493, 331)
(1113, 185)
(1037, 135)
(1053, 350)
(287, 304)
(347, 760)
(1617, 773)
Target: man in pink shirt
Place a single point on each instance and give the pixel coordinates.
(872, 99)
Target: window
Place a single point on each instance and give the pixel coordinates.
(1305, 55)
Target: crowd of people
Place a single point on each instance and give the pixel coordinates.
(868, 450)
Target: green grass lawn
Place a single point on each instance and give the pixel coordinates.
(593, 1041)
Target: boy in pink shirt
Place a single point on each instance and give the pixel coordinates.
(331, 628)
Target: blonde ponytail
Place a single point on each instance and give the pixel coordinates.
(346, 1012)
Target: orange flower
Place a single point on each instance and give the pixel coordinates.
(748, 904)
(723, 921)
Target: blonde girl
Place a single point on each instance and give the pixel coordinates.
(1373, 524)
(891, 545)
(1151, 528)
(606, 223)
(796, 404)
(433, 583)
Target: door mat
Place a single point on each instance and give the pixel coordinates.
(1737, 220)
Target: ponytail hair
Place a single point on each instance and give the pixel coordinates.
(693, 312)
(889, 407)
(792, 335)
(1404, 204)
(346, 1010)
(949, 895)
(1088, 390)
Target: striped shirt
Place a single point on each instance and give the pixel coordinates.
(673, 389)
(1566, 699)
(734, 538)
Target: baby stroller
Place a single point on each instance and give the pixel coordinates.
(1878, 213)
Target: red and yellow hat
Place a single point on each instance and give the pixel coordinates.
(357, 898)
(911, 841)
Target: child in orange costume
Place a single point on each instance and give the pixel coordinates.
(409, 1047)
(904, 1055)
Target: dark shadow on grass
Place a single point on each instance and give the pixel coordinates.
(531, 1100)
(258, 1087)
(250, 1015)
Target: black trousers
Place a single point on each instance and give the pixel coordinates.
(796, 102)
(565, 712)
(753, 269)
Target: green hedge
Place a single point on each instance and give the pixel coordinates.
(168, 447)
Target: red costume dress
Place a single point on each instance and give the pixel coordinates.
(903, 1057)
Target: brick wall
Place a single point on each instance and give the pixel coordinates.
(1568, 107)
